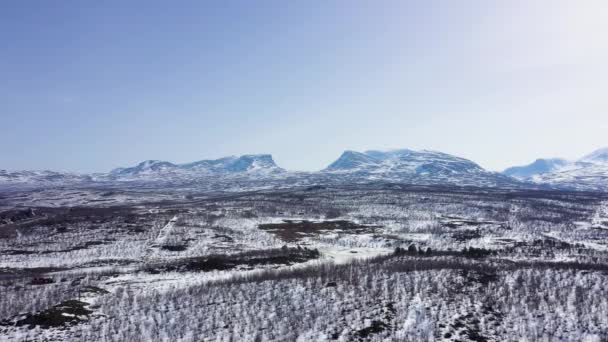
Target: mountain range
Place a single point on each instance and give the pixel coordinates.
(396, 166)
(587, 173)
(261, 163)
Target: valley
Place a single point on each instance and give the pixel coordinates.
(361, 262)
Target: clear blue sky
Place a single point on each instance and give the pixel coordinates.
(92, 85)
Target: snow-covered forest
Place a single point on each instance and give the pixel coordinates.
(351, 263)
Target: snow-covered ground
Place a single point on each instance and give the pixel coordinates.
(307, 264)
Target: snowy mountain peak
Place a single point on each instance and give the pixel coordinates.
(244, 163)
(598, 156)
(410, 166)
(588, 173)
(350, 160)
(403, 160)
(539, 166)
(146, 166)
(252, 162)
(226, 165)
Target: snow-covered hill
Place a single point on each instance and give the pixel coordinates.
(587, 173)
(416, 167)
(41, 178)
(252, 165)
(539, 166)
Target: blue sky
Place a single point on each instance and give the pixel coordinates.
(89, 86)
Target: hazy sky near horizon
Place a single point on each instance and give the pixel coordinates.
(89, 86)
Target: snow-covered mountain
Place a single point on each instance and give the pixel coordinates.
(260, 171)
(351, 160)
(587, 173)
(221, 172)
(402, 161)
(417, 167)
(245, 163)
(597, 156)
(539, 166)
(260, 164)
(145, 167)
(395, 166)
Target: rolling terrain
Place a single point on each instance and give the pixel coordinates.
(379, 246)
(363, 262)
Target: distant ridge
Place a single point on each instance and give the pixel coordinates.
(539, 166)
(232, 164)
(588, 173)
(395, 166)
